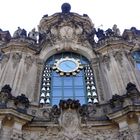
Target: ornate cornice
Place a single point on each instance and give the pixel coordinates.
(21, 44)
(65, 19)
(16, 114)
(66, 27)
(113, 44)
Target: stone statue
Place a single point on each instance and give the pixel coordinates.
(5, 94)
(5, 35)
(100, 34)
(91, 35)
(22, 100)
(131, 88)
(23, 33)
(17, 33)
(55, 113)
(116, 30)
(135, 31)
(109, 32)
(33, 34)
(20, 33)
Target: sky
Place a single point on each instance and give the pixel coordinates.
(103, 13)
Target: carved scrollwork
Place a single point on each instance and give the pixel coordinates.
(106, 61)
(66, 32)
(28, 61)
(16, 59)
(130, 58)
(84, 112)
(119, 58)
(69, 121)
(5, 36)
(126, 135)
(16, 136)
(4, 59)
(55, 113)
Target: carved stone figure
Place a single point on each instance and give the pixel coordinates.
(23, 33)
(100, 34)
(131, 88)
(135, 31)
(133, 93)
(6, 89)
(116, 101)
(109, 32)
(5, 94)
(84, 112)
(116, 30)
(41, 37)
(22, 103)
(55, 113)
(90, 36)
(5, 36)
(22, 99)
(20, 33)
(33, 34)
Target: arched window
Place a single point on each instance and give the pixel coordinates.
(136, 56)
(68, 75)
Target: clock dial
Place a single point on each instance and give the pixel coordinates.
(67, 66)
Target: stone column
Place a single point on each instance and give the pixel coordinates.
(137, 127)
(1, 119)
(98, 80)
(5, 130)
(39, 65)
(125, 130)
(17, 130)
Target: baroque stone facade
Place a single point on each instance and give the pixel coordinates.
(113, 114)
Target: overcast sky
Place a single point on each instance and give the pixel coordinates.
(27, 13)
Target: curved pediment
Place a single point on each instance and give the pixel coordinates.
(65, 27)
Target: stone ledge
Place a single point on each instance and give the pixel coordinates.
(16, 114)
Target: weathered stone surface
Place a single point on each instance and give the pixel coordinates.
(116, 115)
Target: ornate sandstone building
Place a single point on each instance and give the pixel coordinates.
(60, 83)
